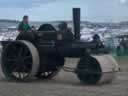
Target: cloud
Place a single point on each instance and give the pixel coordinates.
(123, 1)
(36, 9)
(23, 3)
(48, 10)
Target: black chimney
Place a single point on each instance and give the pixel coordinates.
(76, 22)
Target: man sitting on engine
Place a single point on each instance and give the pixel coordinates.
(67, 35)
(24, 26)
(25, 31)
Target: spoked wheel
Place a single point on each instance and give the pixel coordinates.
(88, 70)
(53, 67)
(48, 74)
(20, 61)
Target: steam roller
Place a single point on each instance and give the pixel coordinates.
(41, 54)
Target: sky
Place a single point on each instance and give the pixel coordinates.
(51, 10)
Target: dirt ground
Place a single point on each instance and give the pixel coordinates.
(66, 84)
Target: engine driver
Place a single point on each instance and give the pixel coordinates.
(97, 41)
(66, 32)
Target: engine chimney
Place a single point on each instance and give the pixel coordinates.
(76, 22)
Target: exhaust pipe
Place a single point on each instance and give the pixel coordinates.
(76, 22)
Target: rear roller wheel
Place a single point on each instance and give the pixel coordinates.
(88, 70)
(20, 61)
